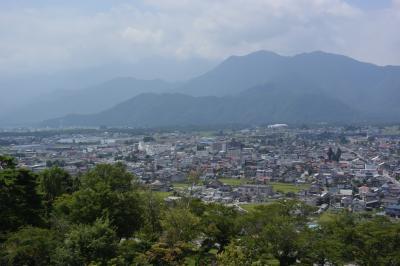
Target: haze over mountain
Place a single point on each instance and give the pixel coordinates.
(367, 87)
(24, 97)
(264, 104)
(265, 87)
(90, 100)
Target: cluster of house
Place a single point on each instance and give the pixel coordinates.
(215, 191)
(363, 174)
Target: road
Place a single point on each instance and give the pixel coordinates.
(385, 173)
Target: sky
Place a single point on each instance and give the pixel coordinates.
(52, 36)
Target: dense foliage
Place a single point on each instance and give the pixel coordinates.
(107, 218)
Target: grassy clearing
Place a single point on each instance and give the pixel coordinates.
(233, 181)
(273, 262)
(252, 206)
(162, 194)
(206, 134)
(326, 217)
(181, 185)
(249, 207)
(393, 130)
(288, 187)
(277, 186)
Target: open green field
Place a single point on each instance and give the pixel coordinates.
(288, 187)
(161, 194)
(251, 206)
(181, 185)
(277, 186)
(233, 181)
(326, 217)
(393, 130)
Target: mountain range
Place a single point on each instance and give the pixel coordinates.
(261, 87)
(89, 100)
(370, 89)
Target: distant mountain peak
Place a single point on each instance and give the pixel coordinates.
(322, 55)
(256, 54)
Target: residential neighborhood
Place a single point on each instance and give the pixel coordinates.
(333, 168)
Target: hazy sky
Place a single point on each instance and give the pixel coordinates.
(45, 36)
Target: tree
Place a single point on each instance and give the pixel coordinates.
(131, 252)
(180, 225)
(196, 206)
(219, 225)
(29, 246)
(125, 212)
(148, 139)
(106, 191)
(165, 255)
(338, 154)
(343, 140)
(277, 229)
(342, 227)
(152, 211)
(233, 255)
(56, 163)
(283, 239)
(116, 177)
(377, 242)
(86, 244)
(54, 182)
(330, 154)
(20, 204)
(124, 209)
(193, 178)
(322, 246)
(7, 162)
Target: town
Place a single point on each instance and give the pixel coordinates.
(334, 168)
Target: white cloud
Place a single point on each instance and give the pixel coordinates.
(142, 36)
(48, 39)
